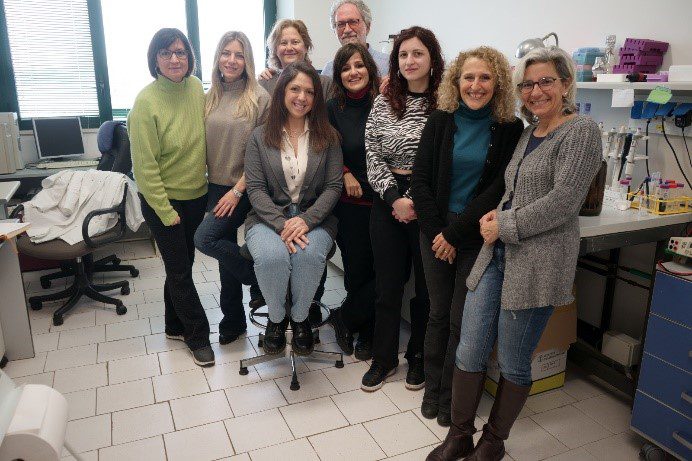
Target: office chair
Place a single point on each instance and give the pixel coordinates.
(82, 262)
(259, 317)
(114, 145)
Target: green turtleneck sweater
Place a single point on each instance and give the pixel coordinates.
(166, 129)
(227, 133)
(471, 142)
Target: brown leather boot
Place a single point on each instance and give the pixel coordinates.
(466, 393)
(509, 401)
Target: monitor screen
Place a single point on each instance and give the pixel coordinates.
(58, 137)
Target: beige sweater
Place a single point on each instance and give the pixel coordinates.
(227, 134)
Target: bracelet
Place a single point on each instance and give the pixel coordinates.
(237, 193)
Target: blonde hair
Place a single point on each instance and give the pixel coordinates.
(248, 106)
(275, 36)
(503, 102)
(565, 68)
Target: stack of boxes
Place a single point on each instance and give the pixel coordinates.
(641, 55)
(584, 59)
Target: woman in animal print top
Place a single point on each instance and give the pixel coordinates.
(392, 133)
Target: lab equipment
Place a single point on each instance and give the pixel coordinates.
(531, 43)
(680, 246)
(11, 158)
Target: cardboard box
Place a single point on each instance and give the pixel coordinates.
(550, 357)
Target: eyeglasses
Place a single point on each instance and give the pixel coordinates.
(166, 55)
(352, 23)
(544, 83)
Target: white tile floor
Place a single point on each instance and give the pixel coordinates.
(134, 395)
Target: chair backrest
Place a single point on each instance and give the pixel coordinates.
(117, 158)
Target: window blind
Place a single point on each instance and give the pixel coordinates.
(50, 44)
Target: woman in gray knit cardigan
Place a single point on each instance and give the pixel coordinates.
(528, 261)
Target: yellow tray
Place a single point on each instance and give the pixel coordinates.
(659, 206)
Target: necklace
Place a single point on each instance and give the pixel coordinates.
(293, 133)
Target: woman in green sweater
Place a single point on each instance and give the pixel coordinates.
(167, 139)
(235, 105)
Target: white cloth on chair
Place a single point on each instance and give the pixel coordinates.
(59, 209)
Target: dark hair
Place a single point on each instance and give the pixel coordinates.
(342, 56)
(162, 40)
(398, 86)
(322, 134)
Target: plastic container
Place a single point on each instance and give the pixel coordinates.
(631, 68)
(586, 57)
(644, 44)
(644, 60)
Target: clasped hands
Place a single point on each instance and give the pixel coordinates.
(294, 233)
(490, 231)
(403, 211)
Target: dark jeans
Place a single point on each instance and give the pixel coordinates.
(184, 312)
(353, 239)
(395, 245)
(447, 286)
(218, 238)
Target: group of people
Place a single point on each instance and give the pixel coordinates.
(400, 162)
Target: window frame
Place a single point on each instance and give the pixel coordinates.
(8, 90)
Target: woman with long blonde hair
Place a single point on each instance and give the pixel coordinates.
(234, 106)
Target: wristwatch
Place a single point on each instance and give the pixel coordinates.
(237, 193)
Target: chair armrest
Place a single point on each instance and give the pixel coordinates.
(18, 212)
(93, 242)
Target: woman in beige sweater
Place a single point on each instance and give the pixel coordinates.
(235, 105)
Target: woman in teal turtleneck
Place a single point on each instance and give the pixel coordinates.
(457, 178)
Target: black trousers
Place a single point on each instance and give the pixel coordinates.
(353, 239)
(395, 246)
(447, 285)
(184, 312)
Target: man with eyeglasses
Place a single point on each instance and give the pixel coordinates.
(350, 20)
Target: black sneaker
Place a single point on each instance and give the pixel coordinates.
(429, 410)
(302, 342)
(204, 356)
(374, 378)
(229, 338)
(275, 337)
(363, 349)
(343, 338)
(415, 377)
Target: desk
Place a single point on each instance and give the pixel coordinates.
(30, 178)
(14, 317)
(7, 190)
(610, 231)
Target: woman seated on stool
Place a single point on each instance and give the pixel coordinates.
(293, 170)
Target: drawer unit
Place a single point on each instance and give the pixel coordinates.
(672, 298)
(669, 341)
(662, 425)
(666, 383)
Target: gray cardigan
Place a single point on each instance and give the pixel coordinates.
(268, 191)
(541, 229)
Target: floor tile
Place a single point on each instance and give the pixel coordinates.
(133, 369)
(155, 309)
(141, 423)
(313, 417)
(175, 361)
(109, 316)
(89, 433)
(486, 405)
(81, 337)
(81, 404)
(580, 387)
(608, 411)
(122, 349)
(570, 426)
(158, 324)
(76, 319)
(159, 343)
(347, 444)
(25, 367)
(46, 342)
(185, 445)
(214, 315)
(440, 431)
(245, 436)
(358, 406)
(40, 324)
(148, 449)
(347, 378)
(151, 296)
(530, 442)
(178, 385)
(80, 378)
(297, 450)
(403, 398)
(148, 283)
(45, 379)
(254, 398)
(549, 400)
(313, 385)
(233, 352)
(415, 455)
(200, 409)
(88, 456)
(578, 454)
(124, 396)
(400, 433)
(227, 375)
(72, 357)
(129, 329)
(278, 368)
(621, 447)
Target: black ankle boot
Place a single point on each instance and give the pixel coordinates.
(343, 337)
(274, 341)
(303, 342)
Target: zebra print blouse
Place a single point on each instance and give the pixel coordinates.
(392, 143)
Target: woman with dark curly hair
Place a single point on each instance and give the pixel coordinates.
(457, 178)
(392, 134)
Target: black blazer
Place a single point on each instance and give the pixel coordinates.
(432, 174)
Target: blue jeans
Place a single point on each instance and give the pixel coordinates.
(517, 331)
(275, 268)
(218, 238)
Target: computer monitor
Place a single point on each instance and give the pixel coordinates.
(58, 137)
